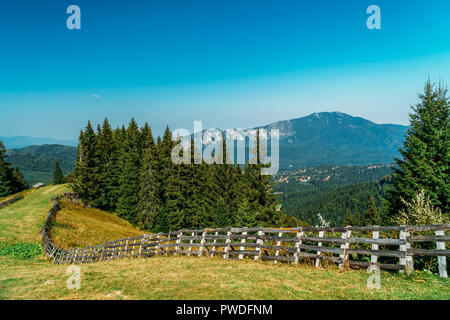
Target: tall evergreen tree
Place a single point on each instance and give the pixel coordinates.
(222, 219)
(130, 174)
(6, 183)
(348, 220)
(149, 202)
(162, 223)
(19, 181)
(58, 176)
(86, 173)
(426, 154)
(371, 215)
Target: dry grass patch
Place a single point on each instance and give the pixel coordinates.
(76, 226)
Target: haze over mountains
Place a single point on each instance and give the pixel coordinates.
(321, 138)
(24, 141)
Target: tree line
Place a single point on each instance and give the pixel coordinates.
(126, 171)
(11, 179)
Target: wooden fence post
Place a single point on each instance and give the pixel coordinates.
(126, 248)
(242, 248)
(346, 246)
(158, 239)
(177, 247)
(190, 242)
(213, 250)
(277, 252)
(407, 261)
(167, 243)
(227, 248)
(144, 237)
(318, 252)
(297, 245)
(260, 242)
(202, 243)
(373, 257)
(442, 260)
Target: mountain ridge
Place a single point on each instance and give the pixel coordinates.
(336, 138)
(18, 142)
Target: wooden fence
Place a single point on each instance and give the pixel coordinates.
(391, 247)
(11, 201)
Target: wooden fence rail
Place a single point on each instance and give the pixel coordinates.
(390, 247)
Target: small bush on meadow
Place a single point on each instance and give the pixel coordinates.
(20, 250)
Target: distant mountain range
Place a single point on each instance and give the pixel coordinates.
(323, 138)
(22, 142)
(336, 138)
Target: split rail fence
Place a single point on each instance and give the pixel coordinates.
(374, 247)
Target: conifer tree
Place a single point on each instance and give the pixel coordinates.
(18, 181)
(162, 224)
(6, 183)
(246, 218)
(149, 202)
(425, 154)
(58, 176)
(371, 215)
(222, 219)
(356, 216)
(348, 220)
(86, 173)
(129, 174)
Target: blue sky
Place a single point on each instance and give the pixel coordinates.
(230, 63)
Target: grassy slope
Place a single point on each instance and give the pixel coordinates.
(80, 227)
(22, 221)
(209, 278)
(172, 277)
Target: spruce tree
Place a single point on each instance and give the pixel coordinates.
(425, 162)
(371, 215)
(222, 219)
(162, 224)
(86, 173)
(58, 176)
(18, 181)
(6, 183)
(149, 201)
(246, 218)
(130, 174)
(356, 216)
(348, 220)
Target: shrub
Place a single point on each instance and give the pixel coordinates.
(20, 250)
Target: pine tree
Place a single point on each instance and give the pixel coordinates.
(162, 224)
(246, 218)
(18, 181)
(149, 201)
(6, 183)
(426, 154)
(371, 215)
(86, 173)
(58, 176)
(127, 205)
(356, 216)
(348, 220)
(222, 219)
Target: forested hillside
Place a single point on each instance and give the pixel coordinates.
(331, 190)
(38, 162)
(127, 171)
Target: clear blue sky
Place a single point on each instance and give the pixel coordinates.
(230, 63)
